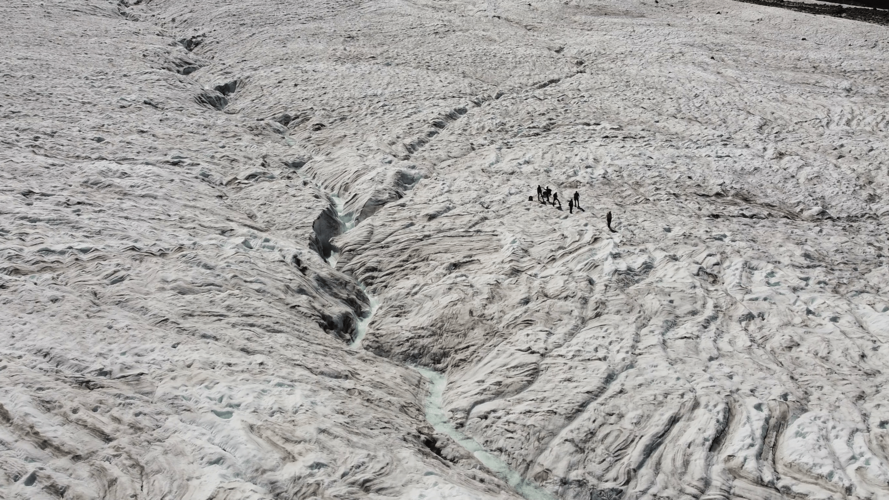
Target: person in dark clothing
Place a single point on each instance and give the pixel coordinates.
(577, 199)
(539, 193)
(556, 200)
(546, 193)
(608, 221)
(570, 205)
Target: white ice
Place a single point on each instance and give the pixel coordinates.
(170, 171)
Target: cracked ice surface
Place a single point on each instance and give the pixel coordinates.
(172, 171)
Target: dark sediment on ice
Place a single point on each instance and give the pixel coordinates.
(868, 12)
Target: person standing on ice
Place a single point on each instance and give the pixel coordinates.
(577, 200)
(546, 193)
(539, 193)
(570, 205)
(556, 200)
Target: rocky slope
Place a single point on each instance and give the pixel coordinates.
(172, 326)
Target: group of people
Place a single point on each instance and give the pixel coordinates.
(543, 196)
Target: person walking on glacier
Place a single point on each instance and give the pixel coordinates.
(570, 205)
(556, 200)
(577, 200)
(539, 193)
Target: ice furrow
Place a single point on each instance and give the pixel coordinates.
(437, 417)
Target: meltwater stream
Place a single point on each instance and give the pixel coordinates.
(435, 413)
(347, 219)
(436, 416)
(362, 324)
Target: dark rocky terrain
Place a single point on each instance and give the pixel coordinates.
(870, 12)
